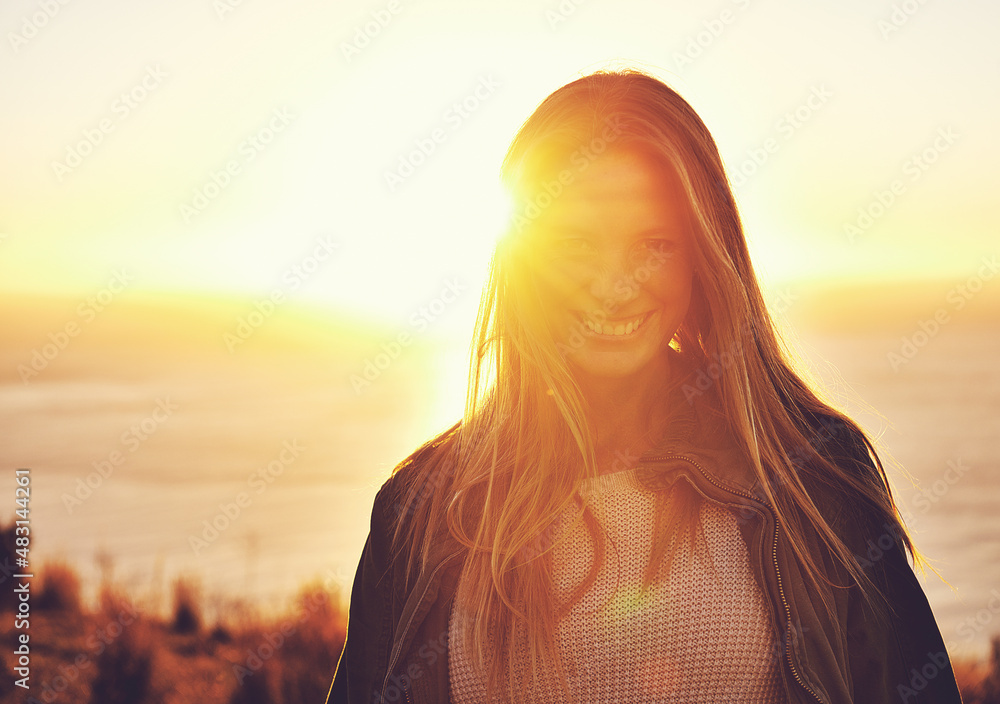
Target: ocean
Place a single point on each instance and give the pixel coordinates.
(254, 472)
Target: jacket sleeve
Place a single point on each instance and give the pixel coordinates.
(895, 648)
(380, 585)
(370, 621)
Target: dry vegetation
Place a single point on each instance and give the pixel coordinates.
(116, 654)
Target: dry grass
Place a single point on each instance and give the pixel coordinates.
(980, 681)
(125, 665)
(8, 599)
(119, 654)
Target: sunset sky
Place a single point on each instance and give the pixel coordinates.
(169, 170)
(118, 115)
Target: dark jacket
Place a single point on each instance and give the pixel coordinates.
(397, 640)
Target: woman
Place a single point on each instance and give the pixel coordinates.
(643, 503)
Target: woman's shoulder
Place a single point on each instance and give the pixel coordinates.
(424, 470)
(840, 441)
(858, 497)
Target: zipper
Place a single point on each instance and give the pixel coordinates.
(774, 555)
(399, 651)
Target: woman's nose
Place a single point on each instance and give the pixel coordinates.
(612, 278)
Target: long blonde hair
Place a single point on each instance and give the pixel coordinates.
(516, 461)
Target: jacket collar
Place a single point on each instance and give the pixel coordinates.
(698, 430)
(697, 433)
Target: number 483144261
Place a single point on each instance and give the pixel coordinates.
(22, 495)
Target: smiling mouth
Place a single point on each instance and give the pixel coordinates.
(616, 328)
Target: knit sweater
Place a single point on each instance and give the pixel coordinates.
(703, 633)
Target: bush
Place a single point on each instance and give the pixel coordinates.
(259, 688)
(303, 684)
(8, 599)
(220, 634)
(187, 610)
(60, 588)
(321, 627)
(125, 666)
(314, 647)
(990, 687)
(980, 682)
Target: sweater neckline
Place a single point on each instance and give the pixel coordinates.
(611, 483)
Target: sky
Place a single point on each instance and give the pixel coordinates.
(170, 171)
(242, 148)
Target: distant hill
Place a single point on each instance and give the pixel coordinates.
(824, 307)
(136, 332)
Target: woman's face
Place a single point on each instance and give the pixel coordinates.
(613, 253)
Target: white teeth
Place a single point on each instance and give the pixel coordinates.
(617, 330)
